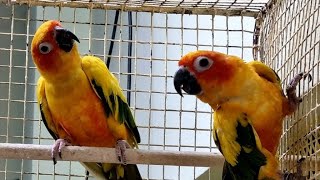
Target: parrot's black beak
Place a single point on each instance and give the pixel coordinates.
(65, 38)
(186, 81)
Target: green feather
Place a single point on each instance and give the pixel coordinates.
(250, 158)
(124, 114)
(43, 117)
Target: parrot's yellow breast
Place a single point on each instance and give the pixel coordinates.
(78, 113)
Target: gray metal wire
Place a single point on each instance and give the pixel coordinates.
(220, 7)
(290, 43)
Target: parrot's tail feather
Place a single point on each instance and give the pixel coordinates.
(95, 169)
(131, 171)
(111, 172)
(87, 175)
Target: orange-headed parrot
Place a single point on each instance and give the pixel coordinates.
(81, 102)
(249, 107)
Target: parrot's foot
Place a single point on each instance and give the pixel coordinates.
(291, 90)
(121, 147)
(56, 149)
(295, 176)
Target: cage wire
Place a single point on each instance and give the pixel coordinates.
(290, 43)
(144, 46)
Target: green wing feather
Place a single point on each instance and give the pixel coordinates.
(250, 158)
(107, 88)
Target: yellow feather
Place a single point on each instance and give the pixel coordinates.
(225, 127)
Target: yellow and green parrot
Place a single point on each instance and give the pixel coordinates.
(249, 107)
(81, 102)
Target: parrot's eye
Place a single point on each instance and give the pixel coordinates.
(45, 48)
(202, 63)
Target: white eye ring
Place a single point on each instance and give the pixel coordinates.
(45, 48)
(202, 63)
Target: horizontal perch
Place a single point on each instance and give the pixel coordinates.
(134, 156)
(95, 154)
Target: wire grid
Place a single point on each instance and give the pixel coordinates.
(165, 120)
(290, 36)
(233, 7)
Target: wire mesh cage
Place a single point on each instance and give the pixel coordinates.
(142, 42)
(289, 43)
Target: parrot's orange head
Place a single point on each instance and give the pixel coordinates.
(50, 42)
(202, 69)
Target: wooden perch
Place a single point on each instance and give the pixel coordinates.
(134, 156)
(95, 154)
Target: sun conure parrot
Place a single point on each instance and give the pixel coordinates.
(81, 102)
(249, 106)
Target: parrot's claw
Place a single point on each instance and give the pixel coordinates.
(295, 176)
(299, 167)
(121, 147)
(291, 90)
(57, 148)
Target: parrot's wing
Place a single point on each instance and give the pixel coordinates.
(244, 148)
(107, 88)
(265, 72)
(44, 109)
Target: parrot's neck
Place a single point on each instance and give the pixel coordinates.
(63, 68)
(69, 83)
(69, 77)
(236, 97)
(235, 100)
